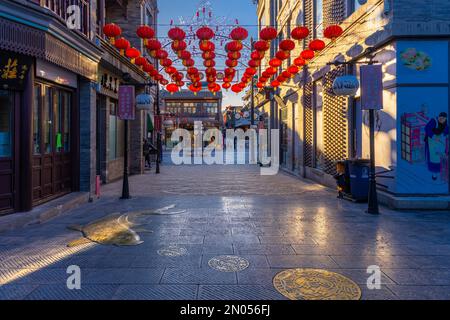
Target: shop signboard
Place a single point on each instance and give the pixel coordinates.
(371, 87)
(14, 69)
(127, 101)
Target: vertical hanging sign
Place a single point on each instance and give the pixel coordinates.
(371, 87)
(126, 103)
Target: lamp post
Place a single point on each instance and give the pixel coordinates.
(125, 183)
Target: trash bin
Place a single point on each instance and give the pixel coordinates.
(357, 171)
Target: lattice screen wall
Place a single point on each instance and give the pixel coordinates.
(333, 12)
(308, 134)
(335, 111)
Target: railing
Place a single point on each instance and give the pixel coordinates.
(59, 7)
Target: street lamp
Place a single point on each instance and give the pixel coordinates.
(142, 101)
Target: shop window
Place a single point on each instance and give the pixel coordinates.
(47, 122)
(318, 125)
(6, 113)
(67, 109)
(115, 134)
(57, 106)
(37, 120)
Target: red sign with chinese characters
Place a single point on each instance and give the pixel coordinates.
(127, 103)
(371, 87)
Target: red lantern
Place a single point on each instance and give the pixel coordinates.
(256, 55)
(299, 62)
(177, 76)
(164, 82)
(271, 71)
(268, 33)
(230, 72)
(208, 55)
(209, 63)
(236, 88)
(250, 71)
(159, 77)
(234, 46)
(254, 63)
(153, 73)
(195, 89)
(132, 53)
(275, 63)
(299, 33)
(231, 63)
(166, 62)
(170, 70)
(281, 78)
(234, 55)
(286, 74)
(205, 34)
(275, 83)
(307, 54)
(226, 85)
(207, 46)
(287, 45)
(161, 54)
(260, 85)
(239, 34)
(140, 61)
(266, 74)
(153, 46)
(189, 63)
(282, 55)
(192, 71)
(112, 31)
(184, 55)
(147, 67)
(146, 33)
(180, 83)
(261, 46)
(122, 44)
(263, 79)
(332, 32)
(172, 88)
(179, 46)
(176, 34)
(211, 72)
(293, 70)
(316, 45)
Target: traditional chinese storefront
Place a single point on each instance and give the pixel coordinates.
(47, 100)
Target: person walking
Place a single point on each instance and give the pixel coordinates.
(146, 151)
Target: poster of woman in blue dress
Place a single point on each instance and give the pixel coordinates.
(436, 132)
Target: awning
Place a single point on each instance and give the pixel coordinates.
(150, 126)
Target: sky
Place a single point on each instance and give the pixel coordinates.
(234, 11)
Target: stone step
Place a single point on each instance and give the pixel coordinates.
(43, 212)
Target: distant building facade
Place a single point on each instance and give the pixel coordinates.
(183, 108)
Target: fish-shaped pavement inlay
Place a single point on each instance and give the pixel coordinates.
(117, 229)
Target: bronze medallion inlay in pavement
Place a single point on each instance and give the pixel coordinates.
(228, 263)
(315, 284)
(172, 251)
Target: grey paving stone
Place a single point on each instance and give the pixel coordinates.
(238, 292)
(186, 275)
(157, 261)
(277, 249)
(304, 261)
(123, 276)
(15, 291)
(61, 292)
(421, 292)
(156, 292)
(419, 277)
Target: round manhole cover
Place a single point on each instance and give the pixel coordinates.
(228, 263)
(172, 251)
(315, 284)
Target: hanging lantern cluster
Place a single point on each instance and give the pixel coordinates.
(233, 49)
(112, 31)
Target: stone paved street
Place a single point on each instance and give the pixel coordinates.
(275, 222)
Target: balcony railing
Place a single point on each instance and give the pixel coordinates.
(59, 7)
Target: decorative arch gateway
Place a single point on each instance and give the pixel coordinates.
(212, 38)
